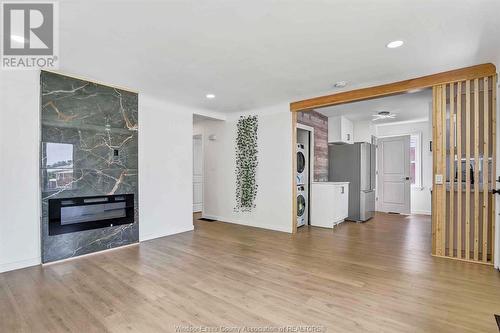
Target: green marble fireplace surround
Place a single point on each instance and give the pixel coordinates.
(89, 147)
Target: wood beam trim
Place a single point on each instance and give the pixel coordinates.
(395, 88)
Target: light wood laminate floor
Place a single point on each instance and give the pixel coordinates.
(372, 277)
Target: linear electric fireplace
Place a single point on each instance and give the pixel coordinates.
(84, 213)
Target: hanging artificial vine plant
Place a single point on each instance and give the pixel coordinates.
(246, 163)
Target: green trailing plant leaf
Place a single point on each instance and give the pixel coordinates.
(246, 163)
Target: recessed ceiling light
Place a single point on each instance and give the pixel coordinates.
(340, 84)
(395, 44)
(210, 96)
(17, 38)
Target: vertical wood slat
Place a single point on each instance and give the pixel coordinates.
(437, 193)
(467, 170)
(493, 161)
(434, 206)
(476, 169)
(472, 234)
(451, 220)
(443, 170)
(486, 155)
(459, 169)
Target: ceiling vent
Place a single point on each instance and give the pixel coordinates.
(383, 115)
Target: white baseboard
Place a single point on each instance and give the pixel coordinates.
(10, 266)
(236, 221)
(154, 236)
(421, 212)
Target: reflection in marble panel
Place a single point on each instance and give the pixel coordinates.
(89, 147)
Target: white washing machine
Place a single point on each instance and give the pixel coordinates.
(301, 206)
(301, 164)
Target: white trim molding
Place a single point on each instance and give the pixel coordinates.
(421, 212)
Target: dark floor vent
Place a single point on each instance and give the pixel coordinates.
(207, 220)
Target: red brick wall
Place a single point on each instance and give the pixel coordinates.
(320, 124)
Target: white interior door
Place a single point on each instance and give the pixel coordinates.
(394, 174)
(197, 173)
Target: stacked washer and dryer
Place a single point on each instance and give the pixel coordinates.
(302, 184)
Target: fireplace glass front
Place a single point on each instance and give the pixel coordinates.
(84, 213)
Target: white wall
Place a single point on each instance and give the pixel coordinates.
(420, 197)
(363, 131)
(165, 168)
(274, 174)
(19, 169)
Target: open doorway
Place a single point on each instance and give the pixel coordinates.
(464, 145)
(205, 159)
(463, 150)
(381, 147)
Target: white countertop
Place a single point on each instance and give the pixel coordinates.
(330, 183)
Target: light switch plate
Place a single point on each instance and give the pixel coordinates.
(438, 179)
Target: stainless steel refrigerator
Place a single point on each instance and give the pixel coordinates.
(355, 163)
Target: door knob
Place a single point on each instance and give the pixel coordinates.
(495, 191)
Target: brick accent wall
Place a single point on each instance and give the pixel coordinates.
(320, 124)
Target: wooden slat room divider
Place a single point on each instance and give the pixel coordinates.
(463, 210)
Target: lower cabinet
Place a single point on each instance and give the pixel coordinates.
(329, 203)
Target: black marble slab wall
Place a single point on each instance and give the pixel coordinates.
(89, 147)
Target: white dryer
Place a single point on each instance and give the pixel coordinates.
(301, 205)
(301, 164)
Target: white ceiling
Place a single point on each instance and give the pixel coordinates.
(262, 52)
(406, 107)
